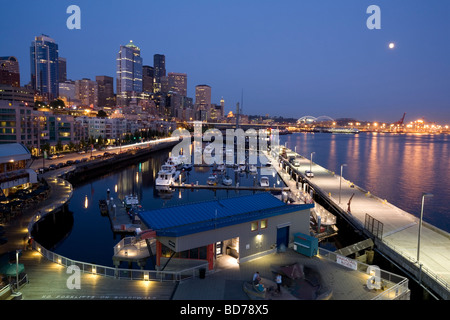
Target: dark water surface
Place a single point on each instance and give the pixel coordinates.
(395, 167)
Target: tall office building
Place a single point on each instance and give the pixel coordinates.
(159, 71)
(62, 69)
(9, 71)
(129, 72)
(202, 102)
(178, 83)
(44, 66)
(105, 91)
(147, 78)
(86, 91)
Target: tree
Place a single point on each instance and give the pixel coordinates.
(59, 145)
(102, 114)
(57, 104)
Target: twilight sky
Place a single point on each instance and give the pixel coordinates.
(289, 57)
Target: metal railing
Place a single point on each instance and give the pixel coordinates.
(394, 286)
(119, 273)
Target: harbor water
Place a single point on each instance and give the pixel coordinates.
(397, 168)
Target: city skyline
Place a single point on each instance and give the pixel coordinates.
(291, 59)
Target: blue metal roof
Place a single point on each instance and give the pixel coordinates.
(202, 216)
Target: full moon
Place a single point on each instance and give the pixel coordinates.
(391, 45)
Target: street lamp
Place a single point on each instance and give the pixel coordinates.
(420, 223)
(340, 181)
(310, 163)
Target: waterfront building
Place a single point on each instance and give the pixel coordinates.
(62, 69)
(86, 91)
(15, 161)
(17, 94)
(147, 78)
(105, 91)
(129, 72)
(159, 71)
(9, 71)
(244, 227)
(18, 124)
(44, 67)
(202, 102)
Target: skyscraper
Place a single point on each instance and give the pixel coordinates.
(86, 91)
(147, 78)
(178, 83)
(202, 102)
(159, 71)
(44, 66)
(9, 71)
(105, 91)
(62, 69)
(129, 72)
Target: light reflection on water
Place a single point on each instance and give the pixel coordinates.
(91, 239)
(398, 168)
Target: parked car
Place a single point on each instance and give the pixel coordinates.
(69, 162)
(60, 165)
(81, 152)
(60, 155)
(53, 157)
(309, 174)
(52, 167)
(84, 159)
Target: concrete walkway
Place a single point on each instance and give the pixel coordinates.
(400, 229)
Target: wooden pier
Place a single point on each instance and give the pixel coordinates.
(119, 218)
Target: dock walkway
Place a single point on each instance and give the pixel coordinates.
(395, 231)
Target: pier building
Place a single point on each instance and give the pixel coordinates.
(244, 227)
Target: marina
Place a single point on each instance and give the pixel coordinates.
(294, 190)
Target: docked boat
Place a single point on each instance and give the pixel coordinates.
(166, 179)
(242, 168)
(221, 168)
(103, 207)
(212, 180)
(227, 181)
(167, 168)
(175, 161)
(264, 182)
(130, 201)
(252, 169)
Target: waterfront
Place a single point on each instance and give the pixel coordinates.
(91, 240)
(395, 167)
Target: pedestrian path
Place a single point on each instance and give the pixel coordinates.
(396, 230)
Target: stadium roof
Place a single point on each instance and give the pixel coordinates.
(202, 216)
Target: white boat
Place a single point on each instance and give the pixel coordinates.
(221, 168)
(130, 200)
(252, 169)
(166, 179)
(264, 182)
(167, 168)
(175, 161)
(227, 181)
(212, 180)
(241, 168)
